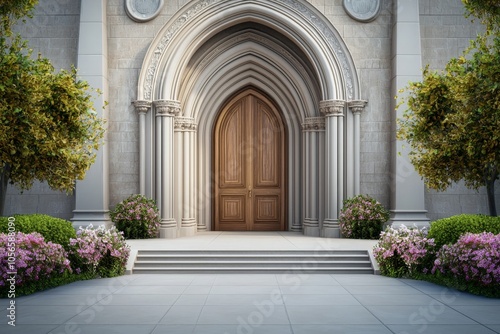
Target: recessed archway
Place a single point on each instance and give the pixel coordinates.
(206, 53)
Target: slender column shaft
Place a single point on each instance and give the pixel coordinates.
(334, 152)
(142, 107)
(166, 111)
(357, 107)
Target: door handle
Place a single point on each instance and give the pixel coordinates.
(250, 192)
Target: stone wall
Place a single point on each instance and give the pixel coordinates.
(53, 32)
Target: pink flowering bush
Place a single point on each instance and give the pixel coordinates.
(35, 259)
(99, 251)
(403, 252)
(362, 217)
(137, 217)
(474, 258)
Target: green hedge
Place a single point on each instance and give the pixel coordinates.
(448, 230)
(52, 229)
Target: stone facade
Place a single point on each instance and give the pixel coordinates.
(55, 32)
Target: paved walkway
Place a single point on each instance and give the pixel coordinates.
(252, 303)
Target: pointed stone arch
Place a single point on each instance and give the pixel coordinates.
(209, 50)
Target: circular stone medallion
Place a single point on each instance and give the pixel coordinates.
(143, 10)
(362, 10)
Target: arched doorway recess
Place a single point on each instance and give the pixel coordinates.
(209, 51)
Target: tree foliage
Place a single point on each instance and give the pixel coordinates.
(49, 130)
(453, 119)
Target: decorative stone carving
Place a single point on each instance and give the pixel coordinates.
(143, 10)
(357, 106)
(141, 106)
(314, 124)
(362, 10)
(185, 124)
(167, 107)
(332, 108)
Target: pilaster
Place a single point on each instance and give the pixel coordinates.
(142, 107)
(185, 132)
(356, 107)
(313, 130)
(334, 165)
(166, 110)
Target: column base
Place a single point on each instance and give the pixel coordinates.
(168, 229)
(188, 227)
(84, 218)
(311, 228)
(409, 218)
(331, 229)
(296, 227)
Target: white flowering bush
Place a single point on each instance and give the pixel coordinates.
(101, 252)
(403, 252)
(137, 217)
(362, 217)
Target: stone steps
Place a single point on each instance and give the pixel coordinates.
(229, 261)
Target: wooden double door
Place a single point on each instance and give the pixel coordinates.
(250, 165)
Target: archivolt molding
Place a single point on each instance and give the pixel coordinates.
(335, 67)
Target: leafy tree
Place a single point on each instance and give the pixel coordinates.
(49, 130)
(453, 121)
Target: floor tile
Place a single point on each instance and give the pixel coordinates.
(191, 300)
(254, 315)
(242, 328)
(440, 329)
(340, 329)
(306, 299)
(139, 300)
(459, 298)
(197, 290)
(298, 279)
(151, 290)
(435, 313)
(245, 299)
(182, 315)
(323, 315)
(173, 329)
(488, 315)
(26, 329)
(54, 300)
(248, 280)
(163, 280)
(366, 280)
(103, 329)
(313, 290)
(119, 314)
(381, 290)
(42, 314)
(387, 300)
(241, 290)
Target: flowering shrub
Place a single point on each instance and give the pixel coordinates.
(137, 217)
(99, 251)
(362, 217)
(404, 251)
(35, 259)
(474, 258)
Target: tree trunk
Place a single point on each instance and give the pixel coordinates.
(490, 191)
(4, 181)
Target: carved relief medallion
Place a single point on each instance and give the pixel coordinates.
(143, 10)
(362, 10)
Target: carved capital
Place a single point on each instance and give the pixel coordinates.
(141, 106)
(357, 106)
(167, 108)
(332, 108)
(314, 124)
(185, 124)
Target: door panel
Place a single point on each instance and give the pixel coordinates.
(249, 166)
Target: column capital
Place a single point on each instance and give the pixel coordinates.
(142, 106)
(314, 124)
(167, 107)
(332, 107)
(185, 124)
(357, 106)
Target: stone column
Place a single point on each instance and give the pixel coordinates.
(142, 108)
(92, 193)
(407, 187)
(334, 161)
(357, 107)
(166, 110)
(313, 133)
(185, 129)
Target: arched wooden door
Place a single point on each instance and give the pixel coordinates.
(250, 165)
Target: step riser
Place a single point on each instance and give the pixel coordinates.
(248, 258)
(250, 265)
(254, 271)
